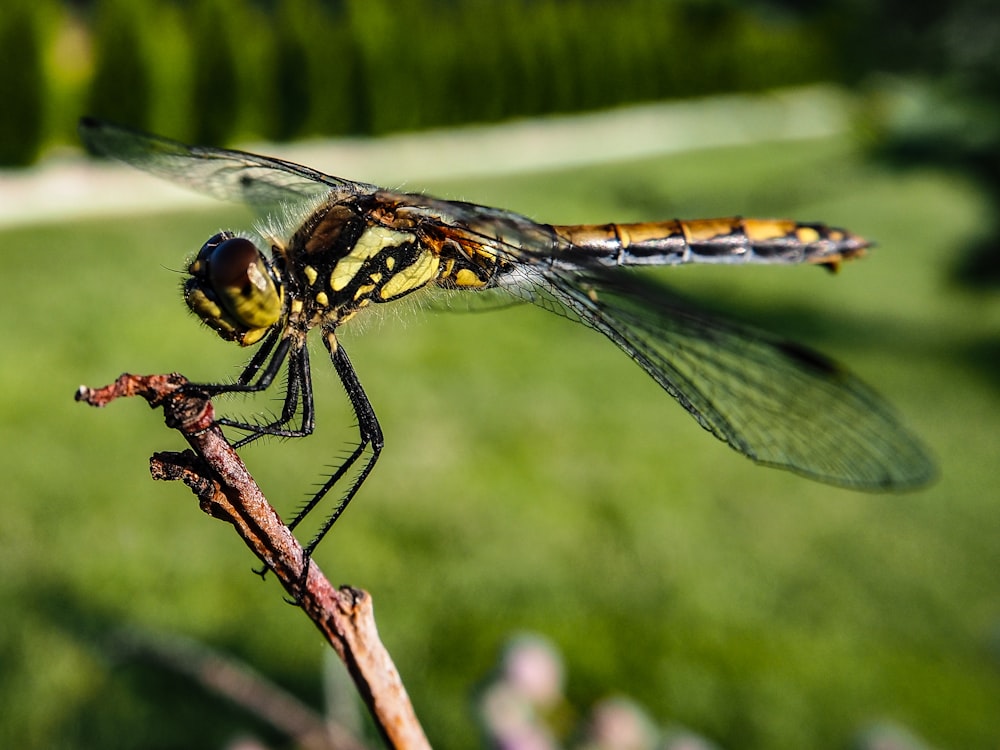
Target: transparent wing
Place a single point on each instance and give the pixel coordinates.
(260, 181)
(772, 400)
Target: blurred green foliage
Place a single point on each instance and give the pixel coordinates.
(216, 98)
(533, 479)
(216, 70)
(22, 85)
(122, 82)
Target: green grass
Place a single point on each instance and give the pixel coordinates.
(533, 479)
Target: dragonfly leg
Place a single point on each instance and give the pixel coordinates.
(370, 434)
(267, 373)
(298, 393)
(265, 366)
(259, 357)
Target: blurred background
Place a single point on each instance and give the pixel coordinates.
(534, 481)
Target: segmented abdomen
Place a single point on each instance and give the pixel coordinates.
(730, 240)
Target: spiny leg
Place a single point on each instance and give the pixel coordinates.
(298, 392)
(370, 434)
(244, 383)
(260, 356)
(277, 347)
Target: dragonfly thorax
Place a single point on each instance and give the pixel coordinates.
(234, 289)
(340, 261)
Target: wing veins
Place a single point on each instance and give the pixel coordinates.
(773, 401)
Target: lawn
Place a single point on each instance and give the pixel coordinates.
(533, 480)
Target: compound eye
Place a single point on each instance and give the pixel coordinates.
(234, 289)
(231, 266)
(198, 265)
(243, 283)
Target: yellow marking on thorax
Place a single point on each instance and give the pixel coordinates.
(296, 306)
(371, 243)
(415, 275)
(311, 274)
(321, 299)
(345, 315)
(363, 290)
(466, 277)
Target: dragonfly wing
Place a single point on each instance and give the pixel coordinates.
(260, 181)
(772, 400)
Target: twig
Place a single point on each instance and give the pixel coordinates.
(226, 491)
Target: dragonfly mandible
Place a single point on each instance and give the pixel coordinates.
(352, 246)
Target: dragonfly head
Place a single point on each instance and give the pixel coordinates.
(234, 289)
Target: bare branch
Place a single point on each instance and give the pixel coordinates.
(226, 491)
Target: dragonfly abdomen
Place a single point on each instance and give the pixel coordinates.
(732, 240)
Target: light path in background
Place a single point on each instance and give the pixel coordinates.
(69, 187)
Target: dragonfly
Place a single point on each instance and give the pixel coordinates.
(340, 248)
